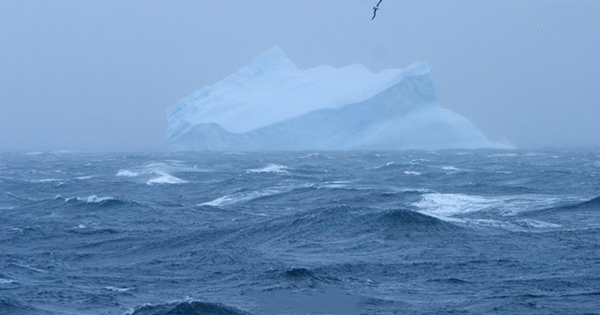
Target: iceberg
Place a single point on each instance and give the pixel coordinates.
(270, 104)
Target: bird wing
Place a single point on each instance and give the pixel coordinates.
(378, 3)
(374, 14)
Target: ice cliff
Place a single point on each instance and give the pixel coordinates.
(271, 105)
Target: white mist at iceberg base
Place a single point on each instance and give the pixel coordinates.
(271, 105)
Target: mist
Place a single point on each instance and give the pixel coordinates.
(99, 75)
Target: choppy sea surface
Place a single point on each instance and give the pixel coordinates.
(461, 232)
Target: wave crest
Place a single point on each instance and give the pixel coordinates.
(186, 308)
(271, 168)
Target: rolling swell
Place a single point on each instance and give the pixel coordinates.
(326, 230)
(593, 203)
(407, 219)
(93, 201)
(342, 222)
(9, 306)
(187, 308)
(590, 205)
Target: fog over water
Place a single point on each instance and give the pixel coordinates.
(99, 75)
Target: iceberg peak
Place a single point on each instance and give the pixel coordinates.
(272, 60)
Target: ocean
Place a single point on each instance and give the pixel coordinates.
(397, 232)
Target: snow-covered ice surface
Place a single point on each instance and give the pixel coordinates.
(271, 105)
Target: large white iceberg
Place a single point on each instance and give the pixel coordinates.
(271, 105)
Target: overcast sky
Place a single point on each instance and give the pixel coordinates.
(99, 74)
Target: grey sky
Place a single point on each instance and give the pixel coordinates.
(99, 75)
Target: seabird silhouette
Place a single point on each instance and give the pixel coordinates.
(375, 8)
(374, 13)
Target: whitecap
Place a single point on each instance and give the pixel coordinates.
(538, 224)
(246, 196)
(127, 173)
(412, 173)
(27, 267)
(388, 164)
(410, 189)
(88, 199)
(44, 180)
(115, 289)
(418, 161)
(335, 184)
(165, 178)
(446, 205)
(271, 168)
(489, 223)
(169, 167)
(164, 169)
(85, 177)
(93, 199)
(7, 281)
(453, 169)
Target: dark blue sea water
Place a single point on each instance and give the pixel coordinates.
(456, 232)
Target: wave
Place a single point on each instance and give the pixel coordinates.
(343, 222)
(84, 230)
(88, 199)
(157, 173)
(592, 204)
(165, 178)
(451, 205)
(45, 180)
(407, 220)
(94, 200)
(445, 205)
(304, 274)
(127, 173)
(449, 281)
(7, 281)
(505, 155)
(10, 195)
(85, 177)
(10, 306)
(317, 155)
(450, 169)
(537, 224)
(271, 168)
(186, 308)
(120, 290)
(390, 165)
(242, 197)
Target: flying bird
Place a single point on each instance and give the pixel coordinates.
(375, 8)
(539, 25)
(374, 13)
